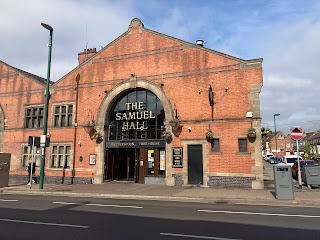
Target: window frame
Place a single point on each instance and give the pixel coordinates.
(27, 155)
(239, 146)
(35, 119)
(63, 117)
(55, 164)
(213, 149)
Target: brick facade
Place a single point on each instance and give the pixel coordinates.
(284, 144)
(178, 73)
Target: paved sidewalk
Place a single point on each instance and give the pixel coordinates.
(129, 190)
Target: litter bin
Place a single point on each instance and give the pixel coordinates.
(283, 181)
(311, 176)
(4, 169)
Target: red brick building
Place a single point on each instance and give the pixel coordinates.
(280, 143)
(108, 116)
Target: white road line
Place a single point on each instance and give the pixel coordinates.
(263, 214)
(117, 206)
(196, 236)
(43, 223)
(97, 205)
(9, 200)
(65, 203)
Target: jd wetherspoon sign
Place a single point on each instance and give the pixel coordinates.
(136, 144)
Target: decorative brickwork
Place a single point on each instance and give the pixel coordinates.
(230, 182)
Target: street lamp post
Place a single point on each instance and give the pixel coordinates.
(45, 118)
(275, 131)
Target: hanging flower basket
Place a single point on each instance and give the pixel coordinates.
(267, 132)
(209, 134)
(95, 135)
(251, 133)
(166, 135)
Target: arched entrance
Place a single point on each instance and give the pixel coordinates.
(133, 137)
(128, 144)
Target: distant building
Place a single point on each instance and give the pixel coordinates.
(140, 110)
(279, 144)
(314, 140)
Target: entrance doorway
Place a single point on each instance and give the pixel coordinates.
(134, 164)
(195, 165)
(121, 164)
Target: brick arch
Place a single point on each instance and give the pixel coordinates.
(106, 105)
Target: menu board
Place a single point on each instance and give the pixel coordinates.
(177, 157)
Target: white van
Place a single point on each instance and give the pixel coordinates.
(290, 159)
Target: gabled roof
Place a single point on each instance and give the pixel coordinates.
(27, 74)
(315, 135)
(272, 135)
(136, 22)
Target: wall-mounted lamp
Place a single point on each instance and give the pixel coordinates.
(189, 129)
(249, 115)
(226, 89)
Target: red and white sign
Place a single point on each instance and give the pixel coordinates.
(296, 134)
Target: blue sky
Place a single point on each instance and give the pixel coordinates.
(284, 33)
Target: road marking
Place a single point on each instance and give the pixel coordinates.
(263, 214)
(65, 203)
(196, 236)
(117, 206)
(43, 223)
(97, 205)
(8, 200)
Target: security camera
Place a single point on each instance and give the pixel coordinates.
(189, 129)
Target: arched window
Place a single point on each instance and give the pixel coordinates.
(137, 114)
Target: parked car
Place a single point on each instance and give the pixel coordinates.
(275, 160)
(278, 160)
(271, 159)
(267, 157)
(291, 159)
(302, 164)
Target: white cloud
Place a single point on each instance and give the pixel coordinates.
(284, 33)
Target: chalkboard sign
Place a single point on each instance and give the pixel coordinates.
(177, 158)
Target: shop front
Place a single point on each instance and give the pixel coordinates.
(134, 148)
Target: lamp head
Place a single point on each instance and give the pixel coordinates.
(47, 26)
(276, 114)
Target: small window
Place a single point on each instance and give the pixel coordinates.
(215, 145)
(60, 156)
(63, 116)
(242, 145)
(33, 117)
(27, 155)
